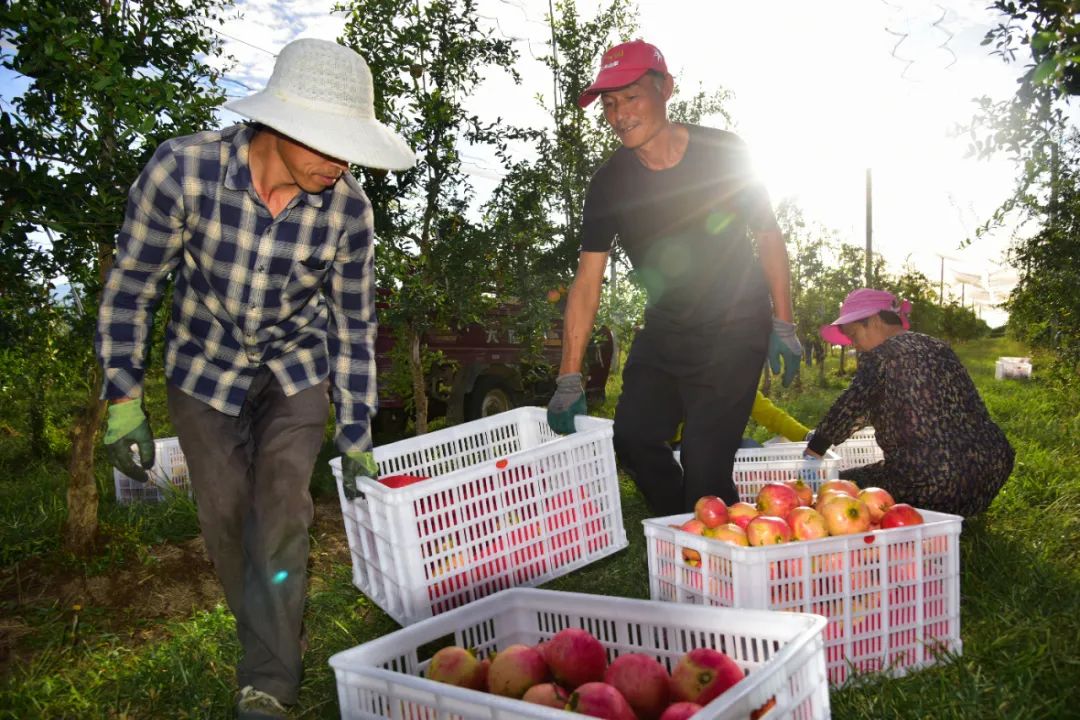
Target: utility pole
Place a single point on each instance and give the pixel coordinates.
(1053, 182)
(941, 285)
(555, 63)
(869, 229)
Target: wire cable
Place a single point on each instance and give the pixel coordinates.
(948, 37)
(243, 42)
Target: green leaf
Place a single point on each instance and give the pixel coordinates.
(148, 124)
(1042, 40)
(1044, 71)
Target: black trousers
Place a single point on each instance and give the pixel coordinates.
(707, 380)
(251, 476)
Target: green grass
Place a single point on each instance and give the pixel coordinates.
(1020, 586)
(1020, 575)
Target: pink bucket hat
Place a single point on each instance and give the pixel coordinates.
(861, 304)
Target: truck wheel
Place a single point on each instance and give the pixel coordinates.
(490, 396)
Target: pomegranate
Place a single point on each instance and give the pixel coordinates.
(575, 657)
(516, 669)
(643, 681)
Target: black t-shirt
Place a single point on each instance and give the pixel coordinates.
(685, 230)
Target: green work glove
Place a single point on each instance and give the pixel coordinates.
(128, 426)
(355, 465)
(568, 401)
(783, 343)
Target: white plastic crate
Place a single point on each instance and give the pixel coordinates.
(867, 433)
(892, 597)
(775, 463)
(1007, 368)
(859, 449)
(782, 654)
(507, 503)
(169, 474)
(754, 467)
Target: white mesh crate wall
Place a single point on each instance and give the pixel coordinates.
(780, 652)
(892, 597)
(775, 463)
(507, 503)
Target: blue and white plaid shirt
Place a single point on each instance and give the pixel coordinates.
(293, 293)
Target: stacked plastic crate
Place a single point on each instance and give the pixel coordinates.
(464, 520)
(892, 597)
(1012, 368)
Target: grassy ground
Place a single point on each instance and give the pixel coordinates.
(140, 632)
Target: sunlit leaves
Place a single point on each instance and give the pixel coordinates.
(432, 258)
(104, 84)
(1032, 126)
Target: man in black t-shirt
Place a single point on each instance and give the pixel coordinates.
(683, 203)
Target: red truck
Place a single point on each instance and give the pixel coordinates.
(486, 372)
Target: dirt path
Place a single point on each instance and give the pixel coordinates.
(171, 581)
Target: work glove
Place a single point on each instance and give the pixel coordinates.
(357, 464)
(568, 401)
(127, 426)
(783, 343)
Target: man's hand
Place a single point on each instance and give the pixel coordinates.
(568, 401)
(355, 465)
(783, 343)
(128, 426)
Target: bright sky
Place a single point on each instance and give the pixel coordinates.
(822, 92)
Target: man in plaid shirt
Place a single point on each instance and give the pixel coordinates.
(269, 238)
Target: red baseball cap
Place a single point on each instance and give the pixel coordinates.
(622, 65)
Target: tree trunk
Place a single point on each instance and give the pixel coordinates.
(416, 368)
(842, 354)
(824, 353)
(81, 526)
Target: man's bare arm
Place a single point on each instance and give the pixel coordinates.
(581, 305)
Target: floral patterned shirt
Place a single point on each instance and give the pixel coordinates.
(942, 451)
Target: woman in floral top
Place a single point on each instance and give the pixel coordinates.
(942, 450)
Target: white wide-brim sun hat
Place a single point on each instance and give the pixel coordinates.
(320, 94)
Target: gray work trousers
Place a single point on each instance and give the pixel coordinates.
(251, 476)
